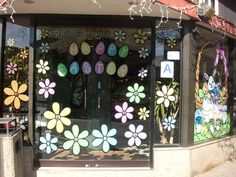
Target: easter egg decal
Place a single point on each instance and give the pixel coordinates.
(100, 48)
(122, 70)
(74, 68)
(61, 70)
(124, 51)
(73, 49)
(85, 48)
(86, 68)
(99, 67)
(112, 50)
(111, 68)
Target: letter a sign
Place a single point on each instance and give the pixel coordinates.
(167, 69)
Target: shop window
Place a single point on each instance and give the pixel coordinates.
(167, 93)
(92, 87)
(15, 80)
(212, 118)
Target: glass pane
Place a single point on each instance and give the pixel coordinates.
(92, 96)
(212, 118)
(16, 59)
(167, 96)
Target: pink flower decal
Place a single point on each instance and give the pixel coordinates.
(11, 68)
(124, 112)
(47, 88)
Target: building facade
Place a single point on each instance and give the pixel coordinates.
(142, 88)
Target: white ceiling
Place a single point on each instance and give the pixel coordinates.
(108, 7)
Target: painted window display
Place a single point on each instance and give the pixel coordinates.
(167, 93)
(212, 119)
(16, 59)
(92, 93)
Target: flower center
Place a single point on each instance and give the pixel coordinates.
(124, 113)
(76, 139)
(16, 94)
(135, 93)
(104, 138)
(48, 143)
(58, 117)
(135, 135)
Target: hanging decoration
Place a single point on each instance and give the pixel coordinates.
(6, 5)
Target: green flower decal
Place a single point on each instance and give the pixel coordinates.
(75, 139)
(135, 93)
(140, 37)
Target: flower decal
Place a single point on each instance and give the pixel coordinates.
(165, 96)
(169, 123)
(140, 37)
(171, 43)
(44, 47)
(120, 35)
(143, 113)
(76, 139)
(135, 93)
(44, 33)
(104, 137)
(15, 94)
(124, 112)
(48, 143)
(57, 118)
(24, 54)
(135, 135)
(56, 33)
(142, 73)
(19, 123)
(42, 66)
(11, 68)
(46, 88)
(143, 53)
(10, 42)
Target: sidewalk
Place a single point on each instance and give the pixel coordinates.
(227, 169)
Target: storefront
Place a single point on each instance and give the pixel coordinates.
(98, 91)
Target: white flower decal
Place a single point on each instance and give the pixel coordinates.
(124, 112)
(76, 139)
(120, 35)
(48, 143)
(142, 73)
(169, 123)
(11, 68)
(10, 42)
(44, 47)
(57, 118)
(19, 123)
(104, 137)
(135, 93)
(165, 96)
(135, 135)
(143, 113)
(42, 66)
(143, 52)
(47, 88)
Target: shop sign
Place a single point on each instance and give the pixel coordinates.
(173, 55)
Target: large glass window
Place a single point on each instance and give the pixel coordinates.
(92, 95)
(212, 118)
(15, 80)
(167, 93)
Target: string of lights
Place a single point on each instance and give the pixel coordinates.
(6, 6)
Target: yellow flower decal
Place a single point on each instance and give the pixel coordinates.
(24, 54)
(171, 43)
(140, 37)
(57, 118)
(15, 94)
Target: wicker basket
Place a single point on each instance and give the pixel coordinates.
(198, 100)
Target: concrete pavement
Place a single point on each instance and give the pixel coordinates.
(227, 169)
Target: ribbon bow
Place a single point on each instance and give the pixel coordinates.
(220, 54)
